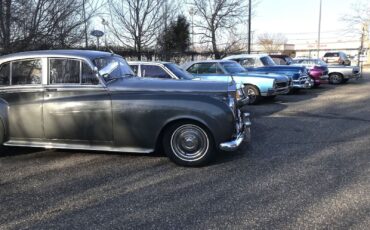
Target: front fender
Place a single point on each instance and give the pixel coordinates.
(139, 118)
(263, 84)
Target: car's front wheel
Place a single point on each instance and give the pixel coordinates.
(253, 94)
(188, 144)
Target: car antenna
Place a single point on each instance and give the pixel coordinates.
(111, 51)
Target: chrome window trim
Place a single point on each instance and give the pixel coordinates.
(44, 62)
(22, 60)
(81, 61)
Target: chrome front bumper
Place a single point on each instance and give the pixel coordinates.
(242, 135)
(303, 84)
(242, 102)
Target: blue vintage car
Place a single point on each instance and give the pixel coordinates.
(262, 63)
(256, 85)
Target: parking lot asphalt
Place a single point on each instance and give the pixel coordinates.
(307, 167)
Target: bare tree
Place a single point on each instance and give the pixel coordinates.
(271, 43)
(357, 22)
(41, 24)
(217, 18)
(358, 19)
(135, 23)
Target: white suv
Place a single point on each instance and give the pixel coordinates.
(336, 58)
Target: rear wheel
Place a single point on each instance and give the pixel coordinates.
(335, 78)
(253, 94)
(188, 144)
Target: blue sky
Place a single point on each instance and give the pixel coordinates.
(298, 19)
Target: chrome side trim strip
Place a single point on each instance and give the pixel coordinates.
(50, 145)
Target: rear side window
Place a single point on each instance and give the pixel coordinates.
(71, 71)
(5, 74)
(247, 62)
(153, 71)
(205, 68)
(279, 61)
(331, 55)
(26, 72)
(64, 71)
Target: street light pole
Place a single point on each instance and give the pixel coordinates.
(249, 25)
(85, 22)
(319, 33)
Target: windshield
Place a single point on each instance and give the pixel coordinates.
(113, 67)
(180, 73)
(267, 61)
(309, 62)
(233, 67)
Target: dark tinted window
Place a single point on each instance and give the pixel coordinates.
(153, 72)
(88, 76)
(5, 74)
(26, 72)
(205, 68)
(331, 55)
(64, 71)
(180, 73)
(232, 67)
(279, 61)
(135, 68)
(267, 61)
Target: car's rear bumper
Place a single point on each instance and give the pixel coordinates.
(242, 134)
(352, 76)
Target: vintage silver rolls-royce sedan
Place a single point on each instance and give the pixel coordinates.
(73, 99)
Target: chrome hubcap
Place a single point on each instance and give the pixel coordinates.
(189, 142)
(335, 79)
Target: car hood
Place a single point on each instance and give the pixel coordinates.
(169, 85)
(284, 68)
(277, 77)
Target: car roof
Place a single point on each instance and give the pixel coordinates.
(86, 54)
(149, 62)
(246, 56)
(188, 64)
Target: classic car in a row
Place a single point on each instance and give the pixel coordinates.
(262, 63)
(337, 74)
(257, 85)
(169, 70)
(162, 70)
(318, 73)
(71, 99)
